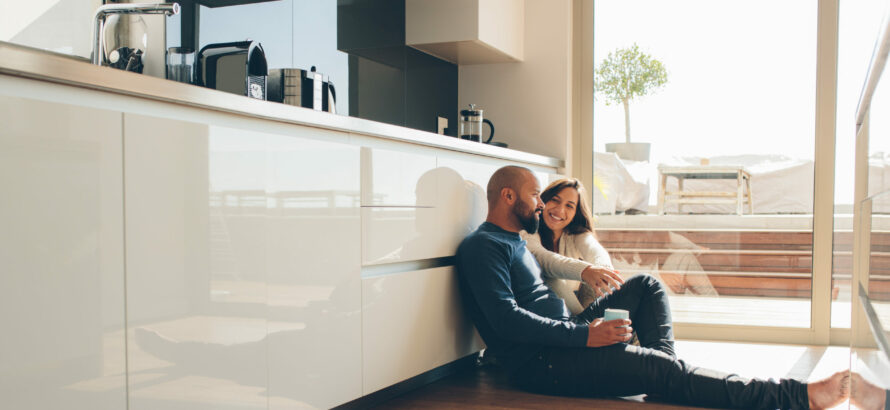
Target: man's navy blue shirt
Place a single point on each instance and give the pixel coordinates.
(515, 312)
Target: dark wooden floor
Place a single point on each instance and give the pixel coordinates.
(486, 388)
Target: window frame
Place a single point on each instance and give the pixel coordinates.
(580, 165)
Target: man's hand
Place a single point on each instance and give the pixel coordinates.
(601, 333)
(602, 280)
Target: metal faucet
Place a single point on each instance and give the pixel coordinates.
(123, 8)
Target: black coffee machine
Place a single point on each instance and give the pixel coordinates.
(238, 67)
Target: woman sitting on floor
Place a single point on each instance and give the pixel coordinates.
(566, 247)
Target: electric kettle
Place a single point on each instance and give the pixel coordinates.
(470, 125)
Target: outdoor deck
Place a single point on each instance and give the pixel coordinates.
(716, 265)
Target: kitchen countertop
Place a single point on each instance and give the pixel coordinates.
(37, 64)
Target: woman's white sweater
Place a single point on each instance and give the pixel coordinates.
(576, 252)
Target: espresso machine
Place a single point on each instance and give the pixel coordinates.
(237, 67)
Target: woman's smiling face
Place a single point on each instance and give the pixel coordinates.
(560, 210)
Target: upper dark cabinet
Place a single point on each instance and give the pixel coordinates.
(370, 24)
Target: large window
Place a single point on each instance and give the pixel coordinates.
(721, 206)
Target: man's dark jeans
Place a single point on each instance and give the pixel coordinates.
(652, 368)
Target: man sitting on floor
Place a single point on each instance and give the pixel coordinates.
(528, 329)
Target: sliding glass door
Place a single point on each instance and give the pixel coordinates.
(704, 153)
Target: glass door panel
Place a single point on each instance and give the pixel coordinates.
(869, 360)
(706, 180)
(858, 25)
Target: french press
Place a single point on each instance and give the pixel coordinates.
(470, 125)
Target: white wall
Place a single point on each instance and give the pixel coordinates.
(529, 102)
(63, 26)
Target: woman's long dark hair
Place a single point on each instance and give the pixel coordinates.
(583, 220)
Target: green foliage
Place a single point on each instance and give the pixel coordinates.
(627, 73)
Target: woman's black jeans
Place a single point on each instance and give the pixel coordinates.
(652, 368)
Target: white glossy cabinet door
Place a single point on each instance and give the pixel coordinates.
(463, 181)
(400, 234)
(464, 203)
(196, 279)
(313, 264)
(61, 257)
(398, 177)
(412, 322)
(243, 265)
(399, 197)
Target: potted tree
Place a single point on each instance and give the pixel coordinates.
(625, 74)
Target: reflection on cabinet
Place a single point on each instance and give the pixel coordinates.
(462, 183)
(412, 322)
(243, 266)
(452, 194)
(313, 267)
(399, 234)
(196, 290)
(152, 262)
(398, 178)
(62, 307)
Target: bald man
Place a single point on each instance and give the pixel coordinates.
(528, 329)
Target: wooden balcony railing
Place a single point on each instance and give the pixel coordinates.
(740, 263)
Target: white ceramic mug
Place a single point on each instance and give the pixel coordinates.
(612, 314)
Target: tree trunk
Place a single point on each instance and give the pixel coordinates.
(626, 121)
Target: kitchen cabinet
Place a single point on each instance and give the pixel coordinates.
(463, 179)
(400, 234)
(467, 31)
(249, 234)
(452, 197)
(62, 305)
(399, 201)
(162, 254)
(412, 322)
(396, 174)
(196, 280)
(314, 273)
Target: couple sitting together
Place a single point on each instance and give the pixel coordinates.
(552, 339)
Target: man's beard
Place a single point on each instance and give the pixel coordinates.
(529, 220)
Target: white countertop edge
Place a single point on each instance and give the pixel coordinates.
(36, 64)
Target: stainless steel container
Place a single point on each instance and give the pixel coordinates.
(302, 88)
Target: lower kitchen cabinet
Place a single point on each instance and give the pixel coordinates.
(412, 322)
(172, 257)
(398, 234)
(462, 181)
(61, 213)
(243, 263)
(313, 268)
(397, 174)
(196, 283)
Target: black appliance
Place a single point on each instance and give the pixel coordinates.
(238, 67)
(302, 88)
